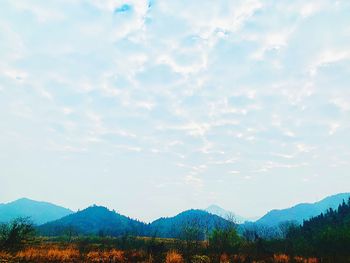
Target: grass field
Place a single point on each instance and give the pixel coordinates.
(147, 250)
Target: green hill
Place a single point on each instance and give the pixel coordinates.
(94, 220)
(198, 220)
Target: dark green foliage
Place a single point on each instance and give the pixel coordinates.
(326, 236)
(224, 240)
(16, 234)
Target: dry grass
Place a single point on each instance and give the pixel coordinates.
(281, 258)
(306, 260)
(5, 257)
(113, 255)
(53, 254)
(173, 257)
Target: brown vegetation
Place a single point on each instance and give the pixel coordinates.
(174, 257)
(55, 253)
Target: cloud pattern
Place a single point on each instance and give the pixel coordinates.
(152, 107)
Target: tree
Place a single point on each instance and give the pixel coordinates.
(16, 234)
(285, 227)
(191, 234)
(224, 239)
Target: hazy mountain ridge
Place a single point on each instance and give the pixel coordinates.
(303, 211)
(39, 212)
(101, 220)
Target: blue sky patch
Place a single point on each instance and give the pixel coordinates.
(124, 9)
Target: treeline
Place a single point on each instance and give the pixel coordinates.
(326, 236)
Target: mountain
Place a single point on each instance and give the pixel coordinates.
(39, 212)
(99, 220)
(174, 227)
(217, 210)
(303, 211)
(94, 220)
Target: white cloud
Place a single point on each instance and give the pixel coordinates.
(328, 57)
(333, 128)
(182, 93)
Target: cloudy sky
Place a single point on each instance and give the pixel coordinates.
(153, 107)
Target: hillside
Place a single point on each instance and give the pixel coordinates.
(303, 211)
(39, 212)
(94, 220)
(173, 227)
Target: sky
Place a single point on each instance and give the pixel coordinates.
(153, 107)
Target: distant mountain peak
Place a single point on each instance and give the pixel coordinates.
(214, 206)
(219, 211)
(23, 200)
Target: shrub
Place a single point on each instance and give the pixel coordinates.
(5, 257)
(136, 256)
(173, 257)
(281, 258)
(224, 258)
(15, 234)
(200, 259)
(306, 260)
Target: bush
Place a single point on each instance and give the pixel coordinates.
(173, 257)
(14, 235)
(224, 258)
(200, 259)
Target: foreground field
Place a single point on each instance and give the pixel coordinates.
(93, 252)
(114, 255)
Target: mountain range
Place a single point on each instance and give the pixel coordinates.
(98, 220)
(301, 212)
